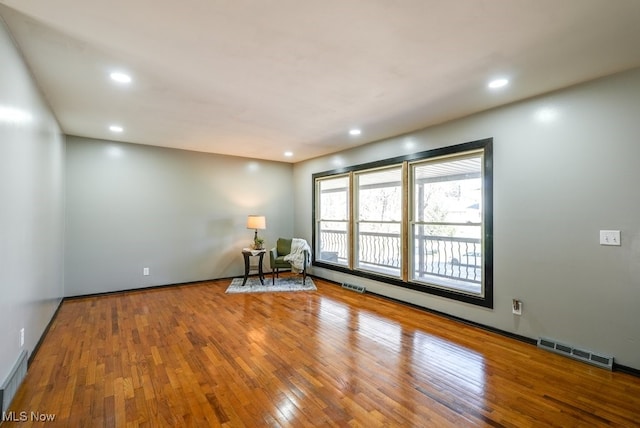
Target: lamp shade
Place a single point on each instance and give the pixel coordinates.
(256, 222)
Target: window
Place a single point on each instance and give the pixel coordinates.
(422, 221)
(379, 220)
(446, 222)
(332, 220)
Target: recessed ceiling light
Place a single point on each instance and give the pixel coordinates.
(120, 77)
(288, 154)
(355, 132)
(116, 128)
(498, 83)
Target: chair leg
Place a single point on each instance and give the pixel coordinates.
(274, 272)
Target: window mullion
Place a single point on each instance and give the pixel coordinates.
(351, 233)
(404, 228)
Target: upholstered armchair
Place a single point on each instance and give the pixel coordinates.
(281, 257)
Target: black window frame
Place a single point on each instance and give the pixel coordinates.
(487, 297)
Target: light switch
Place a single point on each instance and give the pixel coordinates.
(609, 237)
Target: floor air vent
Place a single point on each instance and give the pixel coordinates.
(12, 383)
(356, 288)
(577, 354)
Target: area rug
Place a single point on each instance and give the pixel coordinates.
(282, 284)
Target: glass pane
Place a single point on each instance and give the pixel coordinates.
(380, 195)
(450, 260)
(334, 198)
(378, 250)
(448, 191)
(332, 242)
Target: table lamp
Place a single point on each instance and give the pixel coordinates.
(256, 222)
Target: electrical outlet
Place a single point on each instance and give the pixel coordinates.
(22, 337)
(609, 237)
(145, 271)
(516, 307)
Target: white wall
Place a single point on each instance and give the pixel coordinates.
(31, 208)
(182, 214)
(565, 166)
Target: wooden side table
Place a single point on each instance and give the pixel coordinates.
(248, 253)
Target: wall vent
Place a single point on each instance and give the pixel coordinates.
(356, 288)
(12, 383)
(577, 354)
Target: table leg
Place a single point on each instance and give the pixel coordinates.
(246, 268)
(260, 273)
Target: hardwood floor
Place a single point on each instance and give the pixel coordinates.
(194, 356)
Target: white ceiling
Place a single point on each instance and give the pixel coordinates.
(256, 78)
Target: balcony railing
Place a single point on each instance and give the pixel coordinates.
(450, 258)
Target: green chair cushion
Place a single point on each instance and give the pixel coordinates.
(280, 262)
(283, 246)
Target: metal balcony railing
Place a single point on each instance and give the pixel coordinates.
(447, 257)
